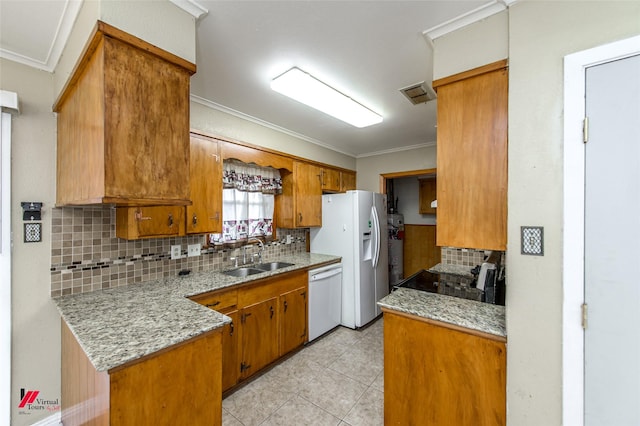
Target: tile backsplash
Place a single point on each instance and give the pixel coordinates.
(462, 257)
(86, 255)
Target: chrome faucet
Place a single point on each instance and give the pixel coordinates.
(260, 250)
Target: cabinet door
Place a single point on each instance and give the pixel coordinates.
(330, 180)
(347, 181)
(427, 194)
(293, 319)
(472, 162)
(308, 195)
(205, 214)
(230, 361)
(149, 222)
(258, 336)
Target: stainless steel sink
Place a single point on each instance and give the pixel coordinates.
(243, 272)
(272, 266)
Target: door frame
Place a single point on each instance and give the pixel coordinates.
(575, 66)
(408, 173)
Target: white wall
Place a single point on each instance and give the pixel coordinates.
(370, 168)
(36, 322)
(540, 35)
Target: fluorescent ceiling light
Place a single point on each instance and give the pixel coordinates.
(307, 89)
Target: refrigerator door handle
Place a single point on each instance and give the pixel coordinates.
(376, 236)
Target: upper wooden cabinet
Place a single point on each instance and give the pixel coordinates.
(123, 124)
(134, 223)
(427, 194)
(347, 181)
(300, 204)
(205, 213)
(331, 180)
(472, 158)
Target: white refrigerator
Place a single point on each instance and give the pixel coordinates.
(354, 226)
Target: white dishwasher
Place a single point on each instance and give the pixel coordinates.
(325, 299)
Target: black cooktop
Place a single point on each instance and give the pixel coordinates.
(421, 280)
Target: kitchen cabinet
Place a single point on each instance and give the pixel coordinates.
(258, 336)
(439, 375)
(426, 194)
(269, 320)
(293, 319)
(123, 124)
(226, 302)
(300, 204)
(204, 215)
(133, 223)
(347, 181)
(144, 391)
(419, 248)
(472, 158)
(331, 180)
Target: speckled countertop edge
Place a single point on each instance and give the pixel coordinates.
(479, 316)
(119, 325)
(444, 268)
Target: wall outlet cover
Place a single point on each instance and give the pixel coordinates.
(193, 250)
(176, 252)
(289, 239)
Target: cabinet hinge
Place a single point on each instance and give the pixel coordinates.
(244, 367)
(584, 315)
(585, 130)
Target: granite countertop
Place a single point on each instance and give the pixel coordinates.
(469, 314)
(443, 268)
(118, 325)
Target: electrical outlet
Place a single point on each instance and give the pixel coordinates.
(193, 250)
(176, 252)
(289, 239)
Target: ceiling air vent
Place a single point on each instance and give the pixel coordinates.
(419, 93)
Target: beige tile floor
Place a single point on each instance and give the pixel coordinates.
(336, 380)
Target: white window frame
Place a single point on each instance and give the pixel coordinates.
(575, 66)
(8, 105)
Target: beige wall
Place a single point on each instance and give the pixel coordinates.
(370, 168)
(477, 44)
(219, 123)
(35, 319)
(541, 34)
(160, 23)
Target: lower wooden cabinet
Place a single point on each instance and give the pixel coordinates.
(436, 375)
(269, 320)
(293, 319)
(179, 385)
(258, 336)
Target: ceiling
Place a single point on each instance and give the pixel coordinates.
(365, 49)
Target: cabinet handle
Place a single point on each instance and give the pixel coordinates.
(211, 305)
(285, 306)
(140, 217)
(303, 294)
(170, 221)
(231, 328)
(194, 220)
(299, 218)
(271, 310)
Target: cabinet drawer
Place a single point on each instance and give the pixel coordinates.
(219, 300)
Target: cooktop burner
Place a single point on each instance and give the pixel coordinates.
(422, 280)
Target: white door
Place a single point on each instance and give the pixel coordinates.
(612, 245)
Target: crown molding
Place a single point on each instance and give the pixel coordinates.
(394, 150)
(68, 18)
(191, 7)
(478, 14)
(252, 119)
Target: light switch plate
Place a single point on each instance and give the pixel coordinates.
(193, 250)
(176, 252)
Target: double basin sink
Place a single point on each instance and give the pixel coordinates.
(258, 268)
